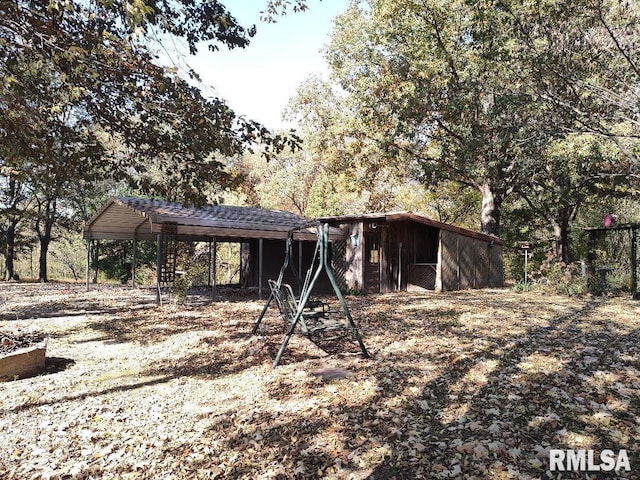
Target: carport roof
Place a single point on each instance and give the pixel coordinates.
(123, 218)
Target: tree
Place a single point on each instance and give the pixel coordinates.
(14, 201)
(99, 53)
(579, 170)
(73, 69)
(474, 91)
(352, 174)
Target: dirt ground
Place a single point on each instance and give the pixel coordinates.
(471, 384)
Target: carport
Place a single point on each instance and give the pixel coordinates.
(262, 231)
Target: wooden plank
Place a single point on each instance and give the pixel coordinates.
(23, 363)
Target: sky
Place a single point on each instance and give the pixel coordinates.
(258, 81)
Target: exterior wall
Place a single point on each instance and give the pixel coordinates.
(466, 262)
(414, 256)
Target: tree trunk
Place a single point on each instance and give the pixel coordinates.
(561, 231)
(95, 252)
(42, 264)
(490, 214)
(48, 218)
(10, 251)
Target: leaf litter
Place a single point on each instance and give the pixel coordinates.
(472, 384)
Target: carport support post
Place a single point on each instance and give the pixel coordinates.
(260, 260)
(88, 260)
(213, 253)
(634, 264)
(133, 263)
(209, 265)
(300, 258)
(158, 267)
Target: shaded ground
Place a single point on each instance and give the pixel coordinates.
(473, 384)
(15, 340)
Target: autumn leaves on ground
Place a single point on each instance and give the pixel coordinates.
(472, 384)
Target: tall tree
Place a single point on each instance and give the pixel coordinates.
(100, 54)
(14, 201)
(72, 68)
(579, 170)
(474, 90)
(353, 174)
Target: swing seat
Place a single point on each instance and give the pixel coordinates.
(311, 320)
(296, 313)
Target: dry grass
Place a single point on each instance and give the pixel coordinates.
(472, 384)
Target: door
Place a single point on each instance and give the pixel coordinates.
(372, 262)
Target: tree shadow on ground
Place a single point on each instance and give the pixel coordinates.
(507, 426)
(57, 364)
(458, 387)
(493, 409)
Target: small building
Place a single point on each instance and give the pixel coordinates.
(404, 251)
(372, 253)
(261, 234)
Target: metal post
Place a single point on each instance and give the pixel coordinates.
(260, 260)
(300, 257)
(133, 263)
(634, 264)
(526, 247)
(214, 263)
(158, 267)
(88, 260)
(399, 266)
(209, 265)
(96, 249)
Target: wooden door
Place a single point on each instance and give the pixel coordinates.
(372, 262)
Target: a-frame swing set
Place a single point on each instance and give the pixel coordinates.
(301, 312)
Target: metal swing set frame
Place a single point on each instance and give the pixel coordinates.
(312, 318)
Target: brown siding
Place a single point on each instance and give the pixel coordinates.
(444, 259)
(469, 263)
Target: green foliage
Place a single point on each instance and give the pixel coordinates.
(521, 286)
(116, 259)
(562, 280)
(84, 99)
(478, 92)
(98, 62)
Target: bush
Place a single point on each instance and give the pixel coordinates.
(521, 286)
(563, 279)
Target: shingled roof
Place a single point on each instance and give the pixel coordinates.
(123, 218)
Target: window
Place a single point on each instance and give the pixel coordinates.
(426, 244)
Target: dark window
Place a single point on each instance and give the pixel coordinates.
(426, 244)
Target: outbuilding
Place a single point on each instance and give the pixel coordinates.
(371, 253)
(261, 234)
(404, 251)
